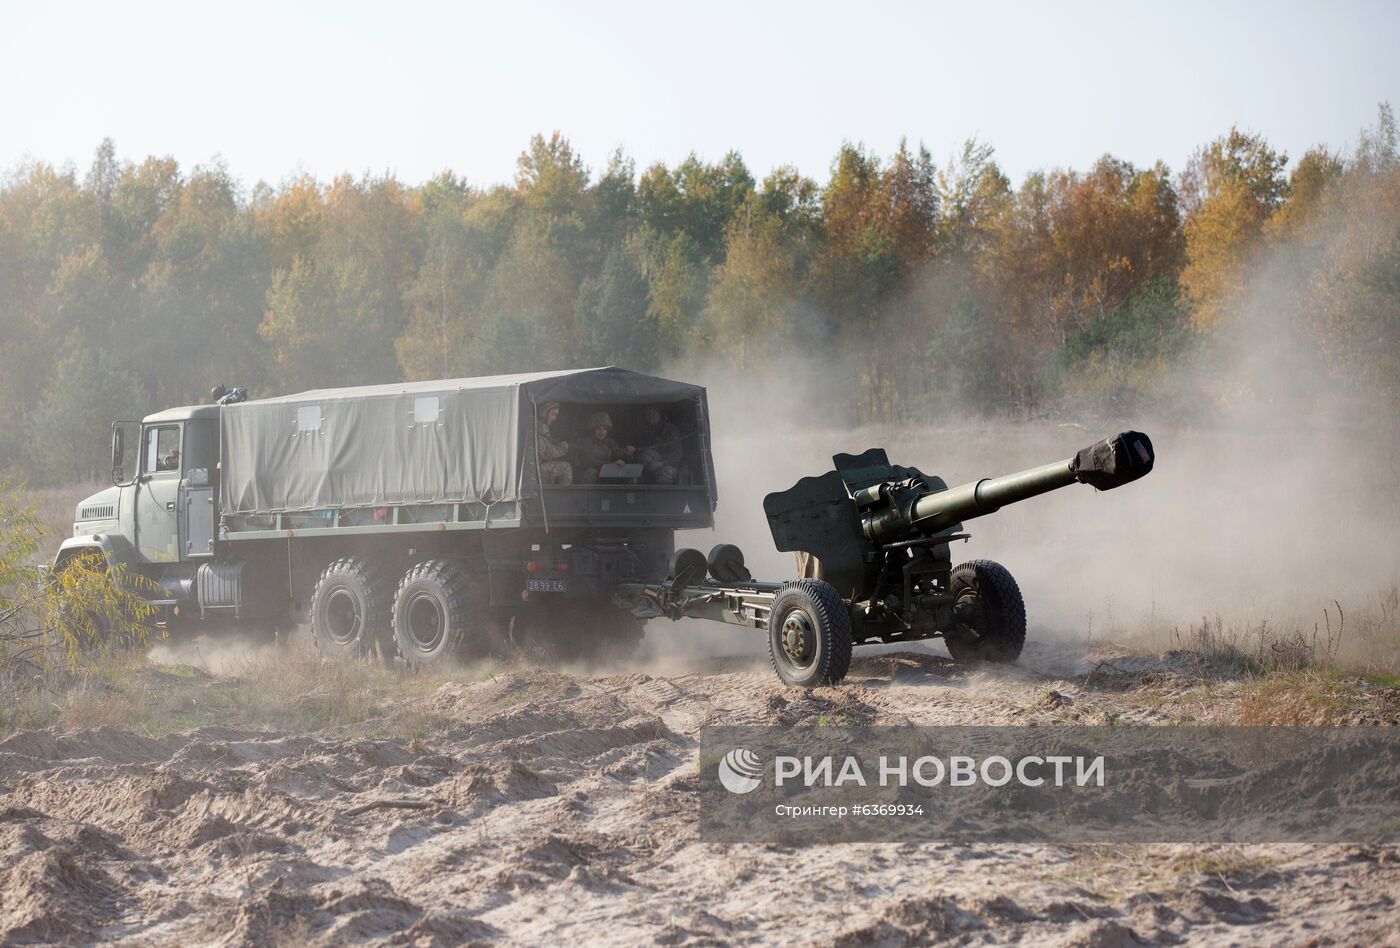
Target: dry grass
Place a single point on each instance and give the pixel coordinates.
(1263, 647)
(1320, 698)
(1226, 864)
(1374, 645)
(301, 690)
(1360, 642)
(1344, 670)
(292, 689)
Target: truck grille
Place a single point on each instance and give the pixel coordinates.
(97, 513)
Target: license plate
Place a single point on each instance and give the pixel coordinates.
(545, 585)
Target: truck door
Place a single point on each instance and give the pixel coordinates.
(157, 494)
(199, 461)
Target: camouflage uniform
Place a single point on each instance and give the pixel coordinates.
(593, 453)
(663, 453)
(553, 468)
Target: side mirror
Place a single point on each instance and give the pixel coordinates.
(118, 449)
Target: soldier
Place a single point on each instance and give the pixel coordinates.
(599, 449)
(663, 451)
(553, 468)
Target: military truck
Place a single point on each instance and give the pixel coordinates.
(404, 520)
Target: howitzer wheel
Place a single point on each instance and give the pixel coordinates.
(809, 634)
(991, 615)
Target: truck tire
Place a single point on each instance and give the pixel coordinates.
(991, 615)
(350, 609)
(437, 605)
(809, 634)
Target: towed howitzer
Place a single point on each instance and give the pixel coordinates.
(872, 542)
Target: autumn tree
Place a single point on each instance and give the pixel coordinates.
(445, 297)
(333, 315)
(695, 199)
(1118, 355)
(755, 292)
(1069, 247)
(619, 327)
(1310, 191)
(1231, 187)
(682, 214)
(677, 281)
(47, 224)
(857, 264)
(201, 293)
(972, 191)
(616, 323)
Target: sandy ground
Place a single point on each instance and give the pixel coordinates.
(555, 808)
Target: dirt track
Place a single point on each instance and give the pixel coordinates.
(555, 808)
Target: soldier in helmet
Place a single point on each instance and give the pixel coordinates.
(598, 449)
(662, 451)
(553, 468)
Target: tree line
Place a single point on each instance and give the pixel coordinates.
(138, 285)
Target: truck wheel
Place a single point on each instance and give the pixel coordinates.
(990, 614)
(349, 609)
(809, 634)
(434, 609)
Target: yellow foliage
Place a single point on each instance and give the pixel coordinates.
(1221, 238)
(754, 290)
(83, 606)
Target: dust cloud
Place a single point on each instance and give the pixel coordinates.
(225, 651)
(1273, 499)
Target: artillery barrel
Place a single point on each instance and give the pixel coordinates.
(1105, 464)
(933, 512)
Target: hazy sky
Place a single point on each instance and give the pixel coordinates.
(415, 88)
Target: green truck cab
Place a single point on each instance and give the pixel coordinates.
(162, 511)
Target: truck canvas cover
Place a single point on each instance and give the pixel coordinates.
(436, 442)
